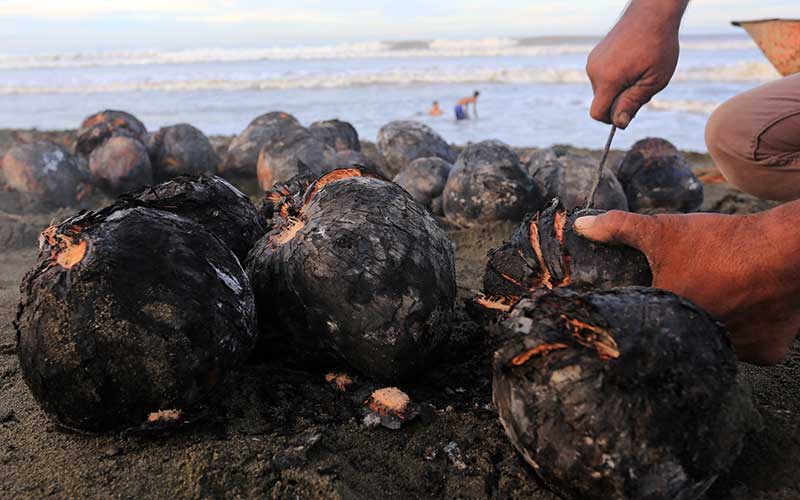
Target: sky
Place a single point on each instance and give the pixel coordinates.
(80, 25)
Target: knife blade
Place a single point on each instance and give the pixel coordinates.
(599, 174)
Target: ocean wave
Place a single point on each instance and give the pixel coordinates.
(487, 47)
(684, 106)
(741, 72)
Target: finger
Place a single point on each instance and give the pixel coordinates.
(621, 228)
(629, 102)
(604, 97)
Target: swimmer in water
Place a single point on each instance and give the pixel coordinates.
(435, 109)
(462, 106)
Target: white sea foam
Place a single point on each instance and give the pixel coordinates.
(487, 47)
(684, 106)
(738, 72)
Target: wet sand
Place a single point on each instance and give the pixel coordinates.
(283, 432)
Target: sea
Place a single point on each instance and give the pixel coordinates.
(534, 91)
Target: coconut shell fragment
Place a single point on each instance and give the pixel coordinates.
(336, 134)
(181, 150)
(624, 393)
(401, 142)
(212, 202)
(545, 253)
(488, 185)
(98, 128)
(359, 271)
(44, 174)
(127, 312)
(120, 165)
(657, 179)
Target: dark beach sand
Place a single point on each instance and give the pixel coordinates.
(282, 432)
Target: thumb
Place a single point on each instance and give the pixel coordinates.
(621, 228)
(628, 104)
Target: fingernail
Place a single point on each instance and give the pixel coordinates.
(585, 223)
(623, 119)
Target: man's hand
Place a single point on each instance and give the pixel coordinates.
(636, 60)
(745, 270)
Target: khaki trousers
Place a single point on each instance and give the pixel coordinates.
(754, 139)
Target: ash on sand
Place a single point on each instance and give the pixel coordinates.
(282, 433)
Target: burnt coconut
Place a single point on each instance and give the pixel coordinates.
(657, 179)
(624, 393)
(569, 178)
(487, 185)
(242, 156)
(98, 128)
(212, 202)
(129, 311)
(295, 152)
(545, 252)
(361, 271)
(44, 174)
(337, 134)
(424, 179)
(181, 150)
(120, 165)
(401, 142)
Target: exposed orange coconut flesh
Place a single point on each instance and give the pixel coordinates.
(539, 350)
(66, 250)
(285, 236)
(547, 278)
(510, 279)
(593, 337)
(333, 176)
(559, 224)
(389, 402)
(711, 176)
(503, 304)
(165, 417)
(339, 380)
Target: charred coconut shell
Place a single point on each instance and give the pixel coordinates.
(362, 272)
(424, 179)
(625, 393)
(120, 165)
(98, 128)
(402, 142)
(295, 152)
(45, 174)
(337, 134)
(487, 184)
(243, 151)
(129, 311)
(181, 150)
(354, 159)
(658, 179)
(545, 252)
(569, 178)
(213, 203)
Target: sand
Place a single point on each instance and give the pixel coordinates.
(283, 432)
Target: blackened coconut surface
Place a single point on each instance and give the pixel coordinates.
(120, 165)
(129, 311)
(657, 179)
(348, 159)
(488, 184)
(626, 393)
(242, 156)
(45, 174)
(424, 179)
(545, 252)
(212, 202)
(401, 142)
(362, 272)
(100, 127)
(337, 134)
(181, 150)
(569, 178)
(295, 152)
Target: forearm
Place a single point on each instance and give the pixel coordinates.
(667, 14)
(781, 241)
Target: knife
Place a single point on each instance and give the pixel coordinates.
(599, 174)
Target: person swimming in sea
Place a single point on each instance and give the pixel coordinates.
(435, 109)
(462, 106)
